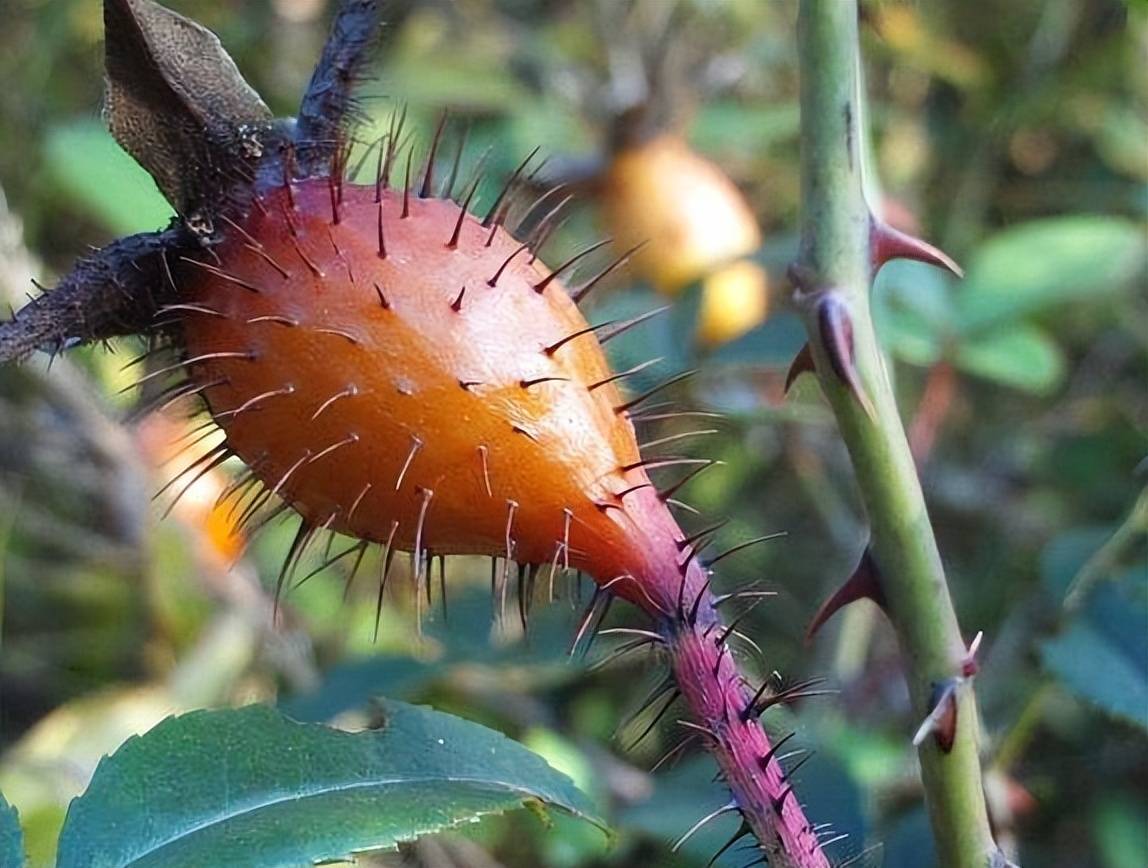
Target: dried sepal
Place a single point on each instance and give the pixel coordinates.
(176, 102)
(114, 291)
(328, 107)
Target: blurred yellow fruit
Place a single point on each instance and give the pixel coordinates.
(735, 298)
(696, 225)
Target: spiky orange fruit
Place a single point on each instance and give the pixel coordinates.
(397, 370)
(433, 388)
(696, 225)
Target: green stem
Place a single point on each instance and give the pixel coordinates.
(836, 259)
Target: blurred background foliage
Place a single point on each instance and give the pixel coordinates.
(1016, 137)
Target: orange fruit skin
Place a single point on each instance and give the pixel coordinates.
(371, 397)
(695, 225)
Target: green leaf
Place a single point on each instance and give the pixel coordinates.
(1103, 655)
(250, 786)
(1022, 356)
(722, 126)
(1031, 267)
(465, 642)
(912, 311)
(909, 337)
(1118, 824)
(87, 164)
(11, 838)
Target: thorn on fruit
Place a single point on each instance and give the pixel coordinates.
(493, 281)
(456, 305)
(381, 234)
(407, 188)
(747, 544)
(674, 438)
(358, 501)
(579, 295)
(384, 572)
(540, 287)
(416, 445)
(743, 831)
(621, 375)
(463, 212)
(708, 818)
(771, 693)
(629, 405)
(668, 493)
(887, 243)
(772, 755)
(483, 457)
(595, 613)
(428, 175)
(863, 583)
(686, 542)
(557, 345)
(526, 384)
(797, 765)
(491, 215)
(619, 328)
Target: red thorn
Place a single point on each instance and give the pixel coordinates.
(492, 214)
(407, 189)
(432, 153)
(886, 243)
(540, 287)
(579, 295)
(462, 214)
(802, 364)
(836, 329)
(863, 583)
(493, 281)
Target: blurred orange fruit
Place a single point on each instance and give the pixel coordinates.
(696, 225)
(212, 522)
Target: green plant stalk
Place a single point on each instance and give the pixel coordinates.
(836, 256)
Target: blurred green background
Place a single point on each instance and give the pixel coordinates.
(1014, 134)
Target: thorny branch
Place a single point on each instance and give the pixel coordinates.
(842, 245)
